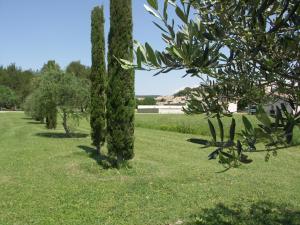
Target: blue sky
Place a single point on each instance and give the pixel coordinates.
(35, 31)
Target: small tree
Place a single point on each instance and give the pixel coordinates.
(79, 70)
(8, 98)
(71, 97)
(62, 93)
(34, 106)
(121, 96)
(51, 67)
(98, 80)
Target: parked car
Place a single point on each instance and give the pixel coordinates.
(252, 109)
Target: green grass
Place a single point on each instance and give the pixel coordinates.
(193, 124)
(48, 179)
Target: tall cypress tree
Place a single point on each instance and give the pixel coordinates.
(121, 95)
(98, 80)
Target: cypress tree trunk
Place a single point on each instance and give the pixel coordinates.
(98, 80)
(121, 95)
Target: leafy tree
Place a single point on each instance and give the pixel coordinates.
(34, 107)
(61, 94)
(79, 70)
(98, 80)
(184, 92)
(18, 81)
(51, 65)
(121, 101)
(8, 98)
(71, 96)
(249, 49)
(49, 82)
(146, 101)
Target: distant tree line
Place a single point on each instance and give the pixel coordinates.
(15, 86)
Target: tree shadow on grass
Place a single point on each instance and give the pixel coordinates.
(26, 118)
(104, 161)
(35, 122)
(61, 135)
(260, 213)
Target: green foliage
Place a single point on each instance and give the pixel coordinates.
(121, 101)
(250, 49)
(8, 98)
(146, 101)
(78, 70)
(229, 153)
(185, 92)
(209, 99)
(249, 135)
(98, 80)
(51, 65)
(19, 81)
(34, 106)
(279, 132)
(58, 93)
(50, 73)
(72, 99)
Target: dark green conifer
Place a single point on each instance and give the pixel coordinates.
(121, 96)
(98, 79)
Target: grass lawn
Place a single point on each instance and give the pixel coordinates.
(48, 179)
(191, 124)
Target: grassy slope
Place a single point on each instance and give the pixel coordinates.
(194, 124)
(50, 180)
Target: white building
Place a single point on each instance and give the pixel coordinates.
(232, 107)
(160, 109)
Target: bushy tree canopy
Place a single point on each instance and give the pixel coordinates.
(62, 93)
(18, 80)
(8, 98)
(240, 50)
(79, 70)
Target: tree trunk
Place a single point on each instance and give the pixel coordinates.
(98, 149)
(120, 161)
(65, 125)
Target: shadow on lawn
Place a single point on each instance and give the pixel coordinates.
(260, 213)
(61, 135)
(34, 122)
(26, 118)
(104, 161)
